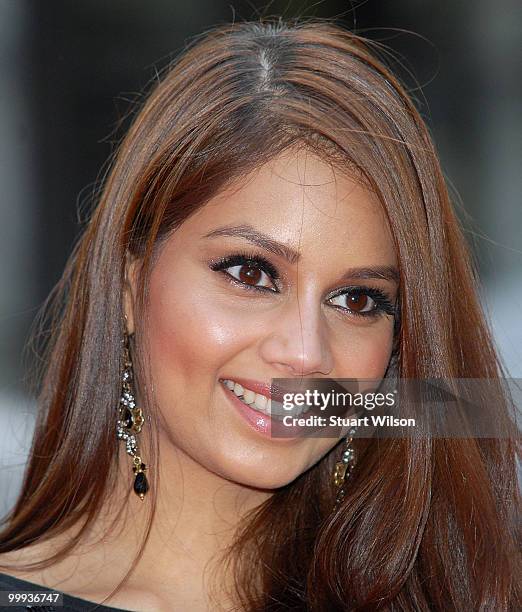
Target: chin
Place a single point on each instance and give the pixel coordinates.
(263, 473)
(262, 480)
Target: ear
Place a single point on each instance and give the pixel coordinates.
(129, 291)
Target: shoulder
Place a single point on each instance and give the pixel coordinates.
(124, 601)
(12, 563)
(77, 598)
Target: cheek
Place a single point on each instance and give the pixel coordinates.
(190, 333)
(365, 352)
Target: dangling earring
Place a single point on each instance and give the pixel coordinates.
(130, 422)
(344, 467)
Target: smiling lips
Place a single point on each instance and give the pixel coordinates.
(257, 401)
(259, 397)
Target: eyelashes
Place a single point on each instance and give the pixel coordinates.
(378, 303)
(253, 261)
(374, 302)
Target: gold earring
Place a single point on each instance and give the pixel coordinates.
(344, 468)
(130, 421)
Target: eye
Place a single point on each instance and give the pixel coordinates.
(248, 271)
(250, 274)
(358, 302)
(363, 301)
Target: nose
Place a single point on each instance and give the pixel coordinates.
(297, 345)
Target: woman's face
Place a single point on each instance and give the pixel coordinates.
(308, 232)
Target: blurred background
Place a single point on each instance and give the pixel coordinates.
(70, 71)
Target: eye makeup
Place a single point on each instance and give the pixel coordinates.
(251, 260)
(382, 304)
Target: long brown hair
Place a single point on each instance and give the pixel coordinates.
(427, 524)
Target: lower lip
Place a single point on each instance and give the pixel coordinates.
(262, 423)
(259, 422)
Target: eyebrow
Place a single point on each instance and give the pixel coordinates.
(247, 232)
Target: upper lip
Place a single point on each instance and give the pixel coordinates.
(274, 392)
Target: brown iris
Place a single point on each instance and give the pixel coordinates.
(251, 276)
(357, 301)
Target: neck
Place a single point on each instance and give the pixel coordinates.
(196, 519)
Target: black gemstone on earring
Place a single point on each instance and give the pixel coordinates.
(141, 485)
(127, 418)
(130, 422)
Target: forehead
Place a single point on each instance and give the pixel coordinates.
(303, 201)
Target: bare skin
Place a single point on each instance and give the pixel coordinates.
(214, 466)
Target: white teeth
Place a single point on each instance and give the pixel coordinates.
(249, 397)
(257, 401)
(260, 401)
